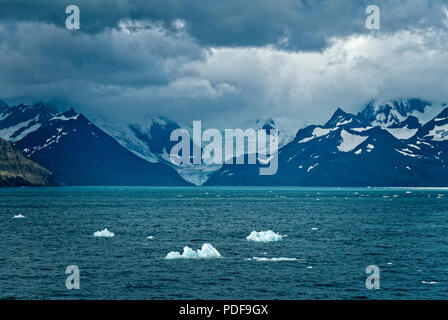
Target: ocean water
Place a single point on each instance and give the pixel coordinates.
(404, 234)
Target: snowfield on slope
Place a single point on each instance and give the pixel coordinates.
(350, 141)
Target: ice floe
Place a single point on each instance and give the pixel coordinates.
(263, 259)
(429, 282)
(264, 236)
(18, 216)
(150, 237)
(206, 252)
(104, 234)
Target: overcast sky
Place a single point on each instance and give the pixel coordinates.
(223, 61)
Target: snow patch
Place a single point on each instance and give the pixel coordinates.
(439, 133)
(312, 167)
(7, 133)
(317, 132)
(406, 152)
(350, 141)
(361, 129)
(26, 132)
(402, 133)
(344, 122)
(64, 118)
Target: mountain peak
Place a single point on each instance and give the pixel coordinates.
(379, 112)
(3, 106)
(340, 117)
(269, 125)
(411, 122)
(70, 114)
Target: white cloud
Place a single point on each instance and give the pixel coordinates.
(349, 73)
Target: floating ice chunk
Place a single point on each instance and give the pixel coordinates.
(206, 252)
(264, 236)
(18, 216)
(429, 282)
(104, 233)
(271, 259)
(309, 267)
(314, 229)
(150, 237)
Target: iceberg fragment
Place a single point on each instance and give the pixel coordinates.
(104, 234)
(264, 236)
(206, 252)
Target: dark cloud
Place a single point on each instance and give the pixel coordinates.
(306, 24)
(223, 61)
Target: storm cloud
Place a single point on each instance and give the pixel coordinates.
(222, 61)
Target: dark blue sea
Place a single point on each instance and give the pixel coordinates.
(333, 235)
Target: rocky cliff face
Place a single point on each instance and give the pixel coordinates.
(18, 170)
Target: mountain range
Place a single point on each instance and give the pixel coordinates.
(385, 144)
(391, 143)
(76, 151)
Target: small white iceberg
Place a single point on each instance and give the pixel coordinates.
(104, 234)
(18, 216)
(265, 236)
(263, 259)
(429, 282)
(206, 252)
(150, 237)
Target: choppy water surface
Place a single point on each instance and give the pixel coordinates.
(332, 236)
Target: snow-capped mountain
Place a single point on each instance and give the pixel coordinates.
(398, 143)
(150, 140)
(367, 149)
(76, 151)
